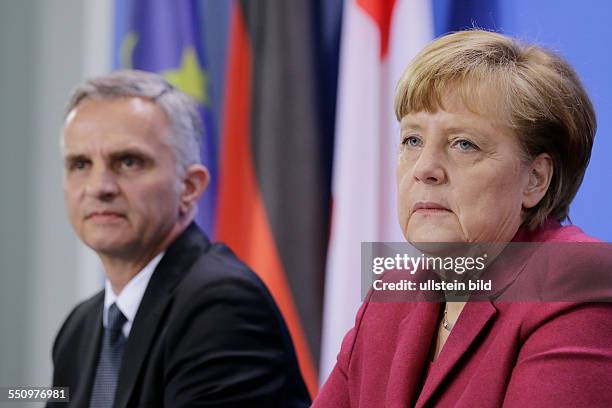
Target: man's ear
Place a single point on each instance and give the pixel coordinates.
(539, 177)
(195, 181)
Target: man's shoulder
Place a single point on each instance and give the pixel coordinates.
(83, 309)
(220, 268)
(79, 316)
(217, 295)
(192, 257)
(220, 262)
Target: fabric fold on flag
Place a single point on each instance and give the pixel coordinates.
(274, 188)
(379, 37)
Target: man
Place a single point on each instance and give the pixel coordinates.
(181, 322)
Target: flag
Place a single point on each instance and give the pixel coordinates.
(166, 37)
(379, 37)
(274, 187)
(456, 15)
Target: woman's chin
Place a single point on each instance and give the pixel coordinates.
(439, 232)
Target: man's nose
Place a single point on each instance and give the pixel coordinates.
(429, 167)
(102, 184)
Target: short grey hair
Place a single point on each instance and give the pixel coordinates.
(181, 110)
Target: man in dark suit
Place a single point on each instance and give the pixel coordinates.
(181, 322)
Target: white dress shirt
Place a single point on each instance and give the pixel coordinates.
(129, 299)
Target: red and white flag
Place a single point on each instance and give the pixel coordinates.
(379, 38)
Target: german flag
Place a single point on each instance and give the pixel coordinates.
(274, 168)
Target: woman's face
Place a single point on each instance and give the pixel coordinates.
(460, 177)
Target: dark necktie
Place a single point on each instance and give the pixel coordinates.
(113, 340)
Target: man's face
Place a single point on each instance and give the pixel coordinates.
(121, 185)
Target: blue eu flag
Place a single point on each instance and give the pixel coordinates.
(165, 37)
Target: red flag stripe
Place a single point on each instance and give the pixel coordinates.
(381, 12)
(242, 220)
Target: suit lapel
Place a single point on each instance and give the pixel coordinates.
(175, 264)
(139, 342)
(88, 355)
(472, 321)
(411, 354)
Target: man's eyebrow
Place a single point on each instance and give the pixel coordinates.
(74, 157)
(117, 154)
(131, 151)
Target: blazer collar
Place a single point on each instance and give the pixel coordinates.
(411, 354)
(89, 351)
(472, 321)
(172, 268)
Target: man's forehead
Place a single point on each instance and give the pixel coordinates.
(131, 115)
(70, 116)
(130, 108)
(107, 147)
(111, 143)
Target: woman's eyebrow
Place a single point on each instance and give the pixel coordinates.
(465, 129)
(410, 125)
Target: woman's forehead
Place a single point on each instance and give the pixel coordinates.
(482, 95)
(482, 102)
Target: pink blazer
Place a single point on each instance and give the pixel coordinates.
(521, 354)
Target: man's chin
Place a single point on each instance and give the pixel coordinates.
(108, 246)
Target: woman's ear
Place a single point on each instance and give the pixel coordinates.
(195, 181)
(539, 177)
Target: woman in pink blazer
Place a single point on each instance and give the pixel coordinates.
(495, 139)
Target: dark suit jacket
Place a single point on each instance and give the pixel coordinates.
(207, 334)
(499, 353)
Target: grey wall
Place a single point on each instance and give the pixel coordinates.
(47, 47)
(17, 71)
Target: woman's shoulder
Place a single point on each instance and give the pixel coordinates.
(560, 324)
(562, 264)
(553, 231)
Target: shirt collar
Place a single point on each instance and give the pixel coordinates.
(130, 297)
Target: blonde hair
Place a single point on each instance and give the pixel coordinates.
(535, 92)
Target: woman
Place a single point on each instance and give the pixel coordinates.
(495, 139)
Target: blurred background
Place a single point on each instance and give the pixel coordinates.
(296, 98)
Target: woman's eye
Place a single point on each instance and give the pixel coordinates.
(465, 145)
(412, 141)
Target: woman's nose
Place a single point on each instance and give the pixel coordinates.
(429, 168)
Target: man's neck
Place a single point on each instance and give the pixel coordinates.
(122, 269)
(119, 272)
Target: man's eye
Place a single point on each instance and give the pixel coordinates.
(78, 165)
(130, 162)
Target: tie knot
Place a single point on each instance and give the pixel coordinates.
(116, 319)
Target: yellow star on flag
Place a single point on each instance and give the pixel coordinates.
(189, 77)
(127, 49)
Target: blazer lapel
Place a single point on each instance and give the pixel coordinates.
(411, 354)
(89, 353)
(175, 264)
(472, 321)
